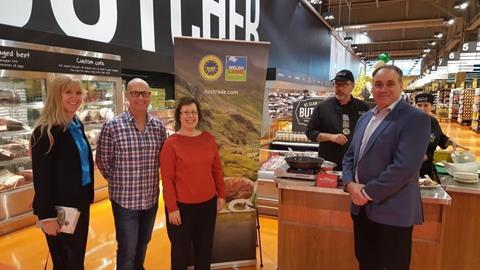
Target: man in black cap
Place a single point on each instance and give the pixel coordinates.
(424, 102)
(333, 121)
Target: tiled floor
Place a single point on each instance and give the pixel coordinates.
(26, 249)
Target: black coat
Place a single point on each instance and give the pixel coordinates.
(57, 175)
(327, 117)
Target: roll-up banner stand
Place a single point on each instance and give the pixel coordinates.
(228, 78)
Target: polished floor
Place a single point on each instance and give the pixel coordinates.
(26, 249)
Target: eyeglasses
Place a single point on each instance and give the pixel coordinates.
(136, 94)
(189, 113)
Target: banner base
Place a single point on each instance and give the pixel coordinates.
(233, 265)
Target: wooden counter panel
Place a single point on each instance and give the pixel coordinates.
(462, 233)
(306, 199)
(431, 229)
(316, 232)
(426, 255)
(314, 248)
(316, 209)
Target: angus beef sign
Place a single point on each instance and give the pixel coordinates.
(302, 111)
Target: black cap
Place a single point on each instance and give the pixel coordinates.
(424, 97)
(344, 75)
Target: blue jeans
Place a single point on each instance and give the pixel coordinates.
(133, 232)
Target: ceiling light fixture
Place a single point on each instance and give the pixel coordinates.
(338, 28)
(461, 5)
(449, 21)
(354, 47)
(328, 16)
(432, 43)
(426, 50)
(359, 53)
(423, 55)
(438, 35)
(365, 33)
(348, 39)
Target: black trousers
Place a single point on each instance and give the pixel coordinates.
(68, 250)
(197, 230)
(379, 246)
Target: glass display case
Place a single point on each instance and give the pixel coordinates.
(294, 140)
(22, 96)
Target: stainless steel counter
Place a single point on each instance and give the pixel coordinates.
(454, 186)
(435, 195)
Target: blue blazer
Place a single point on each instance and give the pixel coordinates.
(390, 164)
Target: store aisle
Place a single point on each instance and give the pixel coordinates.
(26, 249)
(463, 135)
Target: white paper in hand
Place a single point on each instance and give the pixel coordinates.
(67, 218)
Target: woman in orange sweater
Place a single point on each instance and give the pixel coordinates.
(193, 187)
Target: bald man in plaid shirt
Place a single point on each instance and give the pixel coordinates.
(128, 151)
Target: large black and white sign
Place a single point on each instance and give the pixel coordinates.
(302, 111)
(145, 24)
(142, 31)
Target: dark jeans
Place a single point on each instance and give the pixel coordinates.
(379, 246)
(133, 232)
(197, 230)
(68, 250)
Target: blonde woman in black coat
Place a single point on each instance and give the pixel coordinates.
(62, 166)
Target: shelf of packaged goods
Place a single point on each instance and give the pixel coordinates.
(99, 103)
(14, 161)
(9, 134)
(16, 106)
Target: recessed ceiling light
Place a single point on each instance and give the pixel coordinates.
(338, 28)
(449, 21)
(328, 16)
(426, 50)
(438, 35)
(432, 43)
(462, 5)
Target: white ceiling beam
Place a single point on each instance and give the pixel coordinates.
(407, 24)
(396, 41)
(394, 53)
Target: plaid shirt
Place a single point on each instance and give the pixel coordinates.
(129, 160)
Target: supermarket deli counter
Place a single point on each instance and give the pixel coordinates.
(312, 218)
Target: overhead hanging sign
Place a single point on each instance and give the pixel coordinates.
(26, 59)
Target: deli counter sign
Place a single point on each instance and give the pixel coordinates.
(302, 111)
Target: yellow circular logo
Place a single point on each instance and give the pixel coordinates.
(210, 68)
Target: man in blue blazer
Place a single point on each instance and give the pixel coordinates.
(380, 172)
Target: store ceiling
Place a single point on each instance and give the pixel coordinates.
(403, 28)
